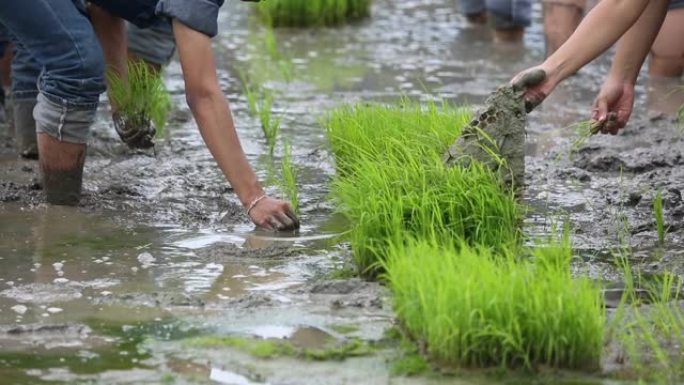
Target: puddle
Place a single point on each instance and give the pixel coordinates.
(161, 248)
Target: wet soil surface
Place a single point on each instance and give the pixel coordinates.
(160, 251)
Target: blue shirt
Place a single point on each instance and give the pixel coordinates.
(200, 15)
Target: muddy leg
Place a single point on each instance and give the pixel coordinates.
(25, 128)
(61, 164)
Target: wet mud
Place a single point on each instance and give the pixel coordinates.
(160, 251)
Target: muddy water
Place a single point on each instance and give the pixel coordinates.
(160, 251)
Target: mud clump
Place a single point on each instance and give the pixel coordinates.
(154, 300)
(495, 137)
(339, 286)
(224, 252)
(350, 293)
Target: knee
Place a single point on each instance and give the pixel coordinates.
(92, 64)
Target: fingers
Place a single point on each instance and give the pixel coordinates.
(274, 215)
(529, 79)
(601, 109)
(286, 221)
(610, 125)
(533, 100)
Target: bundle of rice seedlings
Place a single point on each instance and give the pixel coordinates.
(468, 307)
(391, 182)
(140, 98)
(307, 13)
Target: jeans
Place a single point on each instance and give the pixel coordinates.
(58, 61)
(507, 13)
(4, 39)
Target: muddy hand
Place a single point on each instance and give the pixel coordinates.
(273, 214)
(613, 106)
(607, 125)
(533, 84)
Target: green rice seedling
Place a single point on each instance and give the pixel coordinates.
(583, 131)
(384, 201)
(141, 97)
(307, 13)
(470, 308)
(251, 92)
(360, 132)
(290, 177)
(283, 62)
(391, 181)
(269, 124)
(650, 328)
(659, 219)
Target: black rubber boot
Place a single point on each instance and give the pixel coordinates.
(25, 129)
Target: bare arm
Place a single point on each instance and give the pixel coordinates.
(602, 27)
(634, 46)
(616, 98)
(212, 113)
(111, 31)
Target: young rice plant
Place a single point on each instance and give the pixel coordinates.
(142, 97)
(472, 308)
(391, 182)
(290, 177)
(659, 218)
(307, 13)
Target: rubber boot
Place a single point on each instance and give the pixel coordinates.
(61, 164)
(25, 128)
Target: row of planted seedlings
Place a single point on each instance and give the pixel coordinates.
(312, 13)
(448, 242)
(260, 104)
(290, 13)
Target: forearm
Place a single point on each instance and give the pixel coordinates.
(213, 117)
(212, 113)
(602, 27)
(634, 46)
(111, 31)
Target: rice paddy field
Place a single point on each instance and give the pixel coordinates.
(404, 272)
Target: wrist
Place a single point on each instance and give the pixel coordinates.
(248, 197)
(622, 75)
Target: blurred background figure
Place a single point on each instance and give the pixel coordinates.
(667, 52)
(507, 18)
(561, 18)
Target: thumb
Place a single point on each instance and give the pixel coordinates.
(601, 110)
(529, 79)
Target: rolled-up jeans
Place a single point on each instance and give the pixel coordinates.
(58, 60)
(507, 13)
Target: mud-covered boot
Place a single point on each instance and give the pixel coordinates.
(61, 164)
(25, 129)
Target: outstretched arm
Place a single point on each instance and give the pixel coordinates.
(600, 29)
(212, 113)
(617, 93)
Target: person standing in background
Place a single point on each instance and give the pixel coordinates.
(507, 18)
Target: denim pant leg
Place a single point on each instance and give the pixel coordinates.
(25, 73)
(510, 13)
(472, 7)
(59, 37)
